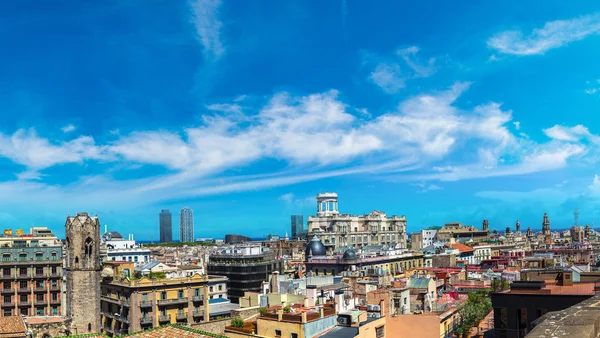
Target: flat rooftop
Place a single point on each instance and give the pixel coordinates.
(555, 289)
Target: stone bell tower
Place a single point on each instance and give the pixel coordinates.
(83, 273)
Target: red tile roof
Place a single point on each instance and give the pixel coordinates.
(462, 248)
(12, 327)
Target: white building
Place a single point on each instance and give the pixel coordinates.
(481, 253)
(139, 256)
(337, 230)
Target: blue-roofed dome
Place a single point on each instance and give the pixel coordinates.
(349, 255)
(315, 248)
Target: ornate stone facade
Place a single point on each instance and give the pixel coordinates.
(337, 230)
(83, 273)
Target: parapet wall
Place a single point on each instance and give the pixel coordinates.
(581, 320)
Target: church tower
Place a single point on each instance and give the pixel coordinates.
(518, 227)
(486, 225)
(83, 273)
(546, 230)
(546, 225)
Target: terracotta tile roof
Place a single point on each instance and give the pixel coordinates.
(12, 327)
(462, 248)
(173, 331)
(167, 331)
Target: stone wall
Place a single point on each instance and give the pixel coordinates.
(214, 326)
(245, 313)
(443, 261)
(48, 329)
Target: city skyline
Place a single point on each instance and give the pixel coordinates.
(244, 112)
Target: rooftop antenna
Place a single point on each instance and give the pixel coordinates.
(576, 214)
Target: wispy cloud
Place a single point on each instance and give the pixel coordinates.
(208, 27)
(595, 87)
(309, 137)
(391, 73)
(388, 77)
(553, 34)
(427, 187)
(68, 128)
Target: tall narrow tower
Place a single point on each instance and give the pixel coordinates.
(576, 216)
(186, 225)
(83, 273)
(518, 226)
(546, 225)
(485, 225)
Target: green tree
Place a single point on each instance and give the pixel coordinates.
(287, 309)
(477, 306)
(263, 310)
(237, 322)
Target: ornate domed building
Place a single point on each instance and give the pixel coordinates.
(314, 248)
(349, 255)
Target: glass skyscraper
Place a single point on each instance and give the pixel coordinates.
(297, 226)
(166, 226)
(186, 225)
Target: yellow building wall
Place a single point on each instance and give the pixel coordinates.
(266, 328)
(368, 330)
(285, 299)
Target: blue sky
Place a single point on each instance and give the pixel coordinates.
(245, 110)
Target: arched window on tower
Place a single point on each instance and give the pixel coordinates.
(88, 246)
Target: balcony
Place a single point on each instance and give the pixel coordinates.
(146, 303)
(122, 318)
(107, 315)
(41, 302)
(8, 276)
(181, 315)
(40, 289)
(54, 274)
(55, 287)
(172, 301)
(55, 301)
(24, 303)
(9, 290)
(108, 329)
(198, 298)
(198, 313)
(164, 318)
(24, 276)
(24, 290)
(125, 302)
(39, 275)
(9, 304)
(110, 299)
(145, 320)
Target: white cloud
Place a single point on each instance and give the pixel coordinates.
(552, 35)
(424, 187)
(390, 74)
(27, 148)
(291, 199)
(303, 138)
(68, 128)
(388, 77)
(572, 134)
(595, 186)
(225, 108)
(208, 27)
(517, 125)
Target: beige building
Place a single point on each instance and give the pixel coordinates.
(129, 305)
(337, 230)
(457, 231)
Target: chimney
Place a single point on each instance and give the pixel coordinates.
(339, 301)
(311, 294)
(275, 282)
(382, 310)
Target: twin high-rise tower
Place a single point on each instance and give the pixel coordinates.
(186, 225)
(166, 226)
